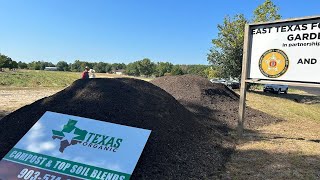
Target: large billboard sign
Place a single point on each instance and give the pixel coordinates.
(285, 50)
(61, 147)
(280, 52)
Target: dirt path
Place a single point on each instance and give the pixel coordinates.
(12, 99)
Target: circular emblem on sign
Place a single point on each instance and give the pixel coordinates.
(273, 63)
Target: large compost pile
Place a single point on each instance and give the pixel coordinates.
(213, 103)
(180, 146)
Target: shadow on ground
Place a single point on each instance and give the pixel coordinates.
(299, 98)
(227, 115)
(252, 135)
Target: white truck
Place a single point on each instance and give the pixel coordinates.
(275, 88)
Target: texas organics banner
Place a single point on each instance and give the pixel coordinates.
(61, 147)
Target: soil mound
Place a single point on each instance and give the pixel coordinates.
(179, 147)
(213, 103)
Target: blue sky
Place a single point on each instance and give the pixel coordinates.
(122, 31)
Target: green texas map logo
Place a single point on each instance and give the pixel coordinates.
(72, 135)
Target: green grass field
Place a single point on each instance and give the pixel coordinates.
(285, 106)
(35, 78)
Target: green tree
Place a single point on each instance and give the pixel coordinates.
(45, 64)
(79, 66)
(133, 69)
(108, 68)
(34, 65)
(184, 68)
(226, 52)
(86, 63)
(75, 66)
(196, 69)
(210, 73)
(176, 70)
(162, 68)
(117, 66)
(266, 12)
(39, 65)
(6, 62)
(22, 65)
(146, 67)
(63, 66)
(100, 67)
(2, 61)
(14, 65)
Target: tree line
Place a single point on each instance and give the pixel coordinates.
(144, 67)
(7, 62)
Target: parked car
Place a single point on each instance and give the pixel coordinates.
(233, 84)
(214, 80)
(275, 88)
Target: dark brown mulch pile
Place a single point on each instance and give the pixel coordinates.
(180, 147)
(213, 103)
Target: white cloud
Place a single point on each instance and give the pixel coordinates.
(34, 140)
(115, 167)
(39, 147)
(36, 132)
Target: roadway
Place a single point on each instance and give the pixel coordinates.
(310, 90)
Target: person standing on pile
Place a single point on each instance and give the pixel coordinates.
(85, 73)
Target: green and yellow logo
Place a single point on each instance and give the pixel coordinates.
(72, 135)
(273, 63)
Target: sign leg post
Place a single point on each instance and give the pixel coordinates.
(242, 108)
(243, 87)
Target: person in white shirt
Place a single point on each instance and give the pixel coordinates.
(92, 73)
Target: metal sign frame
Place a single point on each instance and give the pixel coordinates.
(246, 68)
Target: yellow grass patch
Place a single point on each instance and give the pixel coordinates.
(286, 150)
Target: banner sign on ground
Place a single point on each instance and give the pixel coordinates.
(285, 51)
(61, 147)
